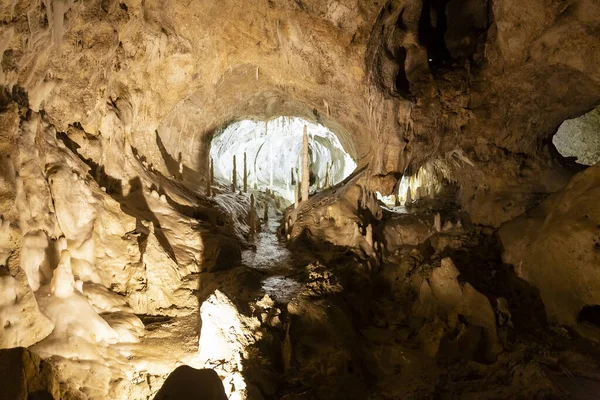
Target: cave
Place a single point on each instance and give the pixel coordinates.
(288, 199)
(273, 153)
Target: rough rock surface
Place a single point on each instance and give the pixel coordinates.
(557, 247)
(24, 375)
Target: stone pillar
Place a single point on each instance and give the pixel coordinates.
(208, 180)
(245, 175)
(234, 177)
(305, 170)
(266, 215)
(252, 223)
(212, 175)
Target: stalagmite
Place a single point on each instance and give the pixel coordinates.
(234, 178)
(408, 198)
(266, 215)
(245, 175)
(437, 222)
(305, 170)
(208, 183)
(327, 175)
(252, 223)
(212, 175)
(296, 196)
(270, 155)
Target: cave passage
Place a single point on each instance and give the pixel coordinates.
(427, 182)
(273, 153)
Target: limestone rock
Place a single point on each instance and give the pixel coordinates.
(160, 287)
(21, 322)
(455, 299)
(224, 339)
(556, 247)
(24, 375)
(406, 230)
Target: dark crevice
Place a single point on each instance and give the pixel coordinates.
(590, 314)
(386, 56)
(402, 83)
(433, 25)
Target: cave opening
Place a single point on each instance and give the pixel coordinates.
(272, 152)
(580, 138)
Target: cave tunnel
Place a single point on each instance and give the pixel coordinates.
(273, 153)
(299, 199)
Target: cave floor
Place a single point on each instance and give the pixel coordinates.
(272, 258)
(384, 362)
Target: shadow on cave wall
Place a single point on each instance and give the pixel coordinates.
(219, 240)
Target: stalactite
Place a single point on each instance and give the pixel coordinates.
(252, 222)
(245, 175)
(234, 177)
(305, 170)
(58, 11)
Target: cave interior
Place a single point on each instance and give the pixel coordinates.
(299, 199)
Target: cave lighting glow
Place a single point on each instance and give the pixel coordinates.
(274, 153)
(424, 184)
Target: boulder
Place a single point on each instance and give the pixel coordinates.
(458, 316)
(192, 384)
